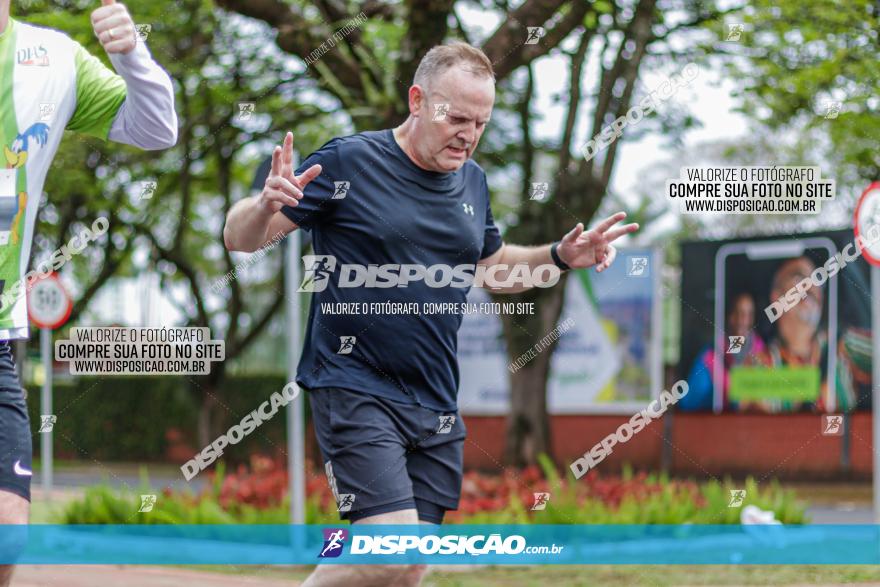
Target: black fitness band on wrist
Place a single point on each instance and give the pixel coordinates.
(556, 259)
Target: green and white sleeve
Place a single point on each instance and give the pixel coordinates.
(134, 106)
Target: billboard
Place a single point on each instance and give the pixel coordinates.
(776, 325)
(607, 358)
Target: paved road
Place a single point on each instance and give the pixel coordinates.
(120, 479)
(132, 576)
(843, 513)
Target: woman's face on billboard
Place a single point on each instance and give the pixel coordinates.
(742, 315)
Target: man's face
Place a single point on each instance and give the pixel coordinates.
(451, 119)
(809, 310)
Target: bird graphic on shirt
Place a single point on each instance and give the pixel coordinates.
(17, 154)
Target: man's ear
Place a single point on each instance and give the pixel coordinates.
(416, 100)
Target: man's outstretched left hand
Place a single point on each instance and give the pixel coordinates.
(580, 249)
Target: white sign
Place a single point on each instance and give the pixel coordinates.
(594, 368)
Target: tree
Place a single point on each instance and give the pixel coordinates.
(811, 69)
(369, 72)
(216, 64)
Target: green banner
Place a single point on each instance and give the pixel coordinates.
(778, 383)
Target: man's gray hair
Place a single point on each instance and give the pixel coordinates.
(443, 57)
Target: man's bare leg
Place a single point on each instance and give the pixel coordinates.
(371, 575)
(414, 574)
(14, 509)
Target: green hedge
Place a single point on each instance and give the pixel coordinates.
(128, 418)
(707, 504)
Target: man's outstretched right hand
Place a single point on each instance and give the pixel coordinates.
(282, 187)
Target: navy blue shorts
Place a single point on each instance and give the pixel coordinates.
(382, 456)
(15, 431)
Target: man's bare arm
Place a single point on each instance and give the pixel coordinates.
(254, 222)
(508, 256)
(577, 249)
(250, 227)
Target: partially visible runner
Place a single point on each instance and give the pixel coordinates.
(383, 388)
(49, 83)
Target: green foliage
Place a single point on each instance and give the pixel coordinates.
(637, 499)
(128, 418)
(668, 507)
(215, 63)
(795, 58)
(675, 504)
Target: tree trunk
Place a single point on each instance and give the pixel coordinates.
(211, 418)
(528, 425)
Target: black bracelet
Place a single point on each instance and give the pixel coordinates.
(556, 259)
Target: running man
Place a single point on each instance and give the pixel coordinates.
(49, 83)
(385, 414)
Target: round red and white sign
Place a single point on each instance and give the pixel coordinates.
(868, 216)
(49, 304)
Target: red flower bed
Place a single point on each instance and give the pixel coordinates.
(491, 493)
(264, 483)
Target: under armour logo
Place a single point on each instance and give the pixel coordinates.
(468, 209)
(341, 189)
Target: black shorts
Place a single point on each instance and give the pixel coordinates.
(382, 456)
(15, 431)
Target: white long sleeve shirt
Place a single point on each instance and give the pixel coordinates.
(49, 83)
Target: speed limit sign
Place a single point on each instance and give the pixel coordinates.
(48, 303)
(868, 217)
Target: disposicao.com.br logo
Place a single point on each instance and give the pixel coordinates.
(454, 544)
(319, 269)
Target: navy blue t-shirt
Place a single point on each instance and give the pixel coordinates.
(372, 205)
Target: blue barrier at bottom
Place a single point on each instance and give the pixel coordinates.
(450, 544)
